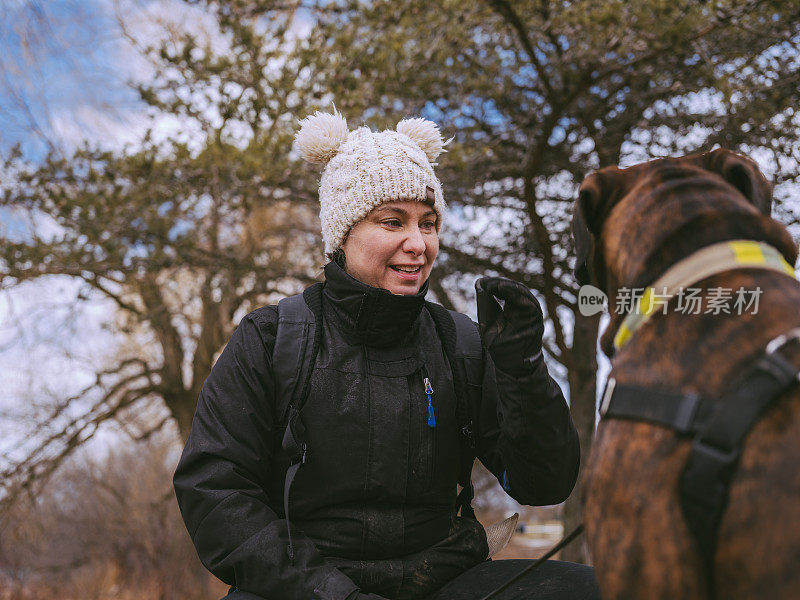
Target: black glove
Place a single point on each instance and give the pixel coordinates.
(512, 333)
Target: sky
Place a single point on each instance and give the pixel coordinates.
(66, 69)
(60, 66)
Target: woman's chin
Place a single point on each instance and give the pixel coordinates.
(404, 292)
(403, 284)
(403, 289)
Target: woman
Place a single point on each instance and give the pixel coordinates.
(367, 510)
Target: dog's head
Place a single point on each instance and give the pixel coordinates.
(629, 225)
(628, 192)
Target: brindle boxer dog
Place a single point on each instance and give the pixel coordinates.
(630, 226)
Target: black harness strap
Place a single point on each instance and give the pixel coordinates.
(718, 427)
(685, 413)
(716, 450)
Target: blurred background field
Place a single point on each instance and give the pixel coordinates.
(110, 529)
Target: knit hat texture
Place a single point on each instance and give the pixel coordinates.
(364, 169)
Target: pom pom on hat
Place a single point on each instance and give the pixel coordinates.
(320, 136)
(425, 134)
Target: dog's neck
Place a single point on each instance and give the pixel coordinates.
(702, 231)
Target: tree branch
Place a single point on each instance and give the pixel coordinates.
(40, 464)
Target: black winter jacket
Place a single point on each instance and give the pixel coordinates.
(373, 507)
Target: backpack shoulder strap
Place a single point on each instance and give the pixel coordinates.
(296, 346)
(468, 345)
(469, 361)
(462, 345)
(297, 342)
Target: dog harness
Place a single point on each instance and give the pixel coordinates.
(717, 426)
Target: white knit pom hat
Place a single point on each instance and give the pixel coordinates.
(365, 169)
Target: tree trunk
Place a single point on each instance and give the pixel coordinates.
(182, 406)
(582, 386)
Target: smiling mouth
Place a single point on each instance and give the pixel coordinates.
(408, 270)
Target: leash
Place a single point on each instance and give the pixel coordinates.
(564, 542)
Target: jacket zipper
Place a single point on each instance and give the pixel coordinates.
(429, 393)
(429, 431)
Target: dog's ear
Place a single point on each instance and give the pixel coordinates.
(586, 225)
(584, 246)
(743, 174)
(590, 200)
(596, 197)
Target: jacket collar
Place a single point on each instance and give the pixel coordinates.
(370, 315)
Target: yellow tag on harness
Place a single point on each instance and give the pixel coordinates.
(747, 253)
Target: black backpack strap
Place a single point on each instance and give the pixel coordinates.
(462, 346)
(296, 347)
(297, 343)
(469, 363)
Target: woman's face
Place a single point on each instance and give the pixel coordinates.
(394, 246)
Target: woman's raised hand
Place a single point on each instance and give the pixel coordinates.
(511, 324)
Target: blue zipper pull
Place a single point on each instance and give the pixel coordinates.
(429, 391)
